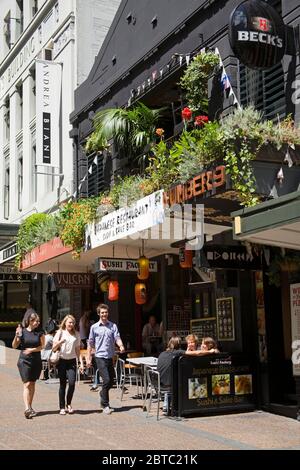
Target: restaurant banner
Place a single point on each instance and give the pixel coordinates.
(119, 264)
(127, 221)
(48, 97)
(74, 280)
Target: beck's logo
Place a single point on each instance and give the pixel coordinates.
(262, 24)
(264, 38)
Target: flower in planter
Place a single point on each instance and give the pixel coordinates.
(186, 114)
(160, 132)
(200, 121)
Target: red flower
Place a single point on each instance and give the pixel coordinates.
(159, 131)
(186, 114)
(200, 120)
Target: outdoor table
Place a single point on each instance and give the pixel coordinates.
(143, 361)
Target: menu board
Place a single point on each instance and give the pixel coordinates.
(203, 327)
(225, 319)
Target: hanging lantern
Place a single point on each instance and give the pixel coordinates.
(140, 293)
(185, 258)
(104, 285)
(113, 290)
(103, 280)
(143, 268)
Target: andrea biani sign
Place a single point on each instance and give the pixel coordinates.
(257, 34)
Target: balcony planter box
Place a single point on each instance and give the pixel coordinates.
(45, 252)
(269, 153)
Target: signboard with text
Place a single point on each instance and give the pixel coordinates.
(127, 221)
(119, 264)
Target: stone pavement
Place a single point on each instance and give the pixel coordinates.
(127, 428)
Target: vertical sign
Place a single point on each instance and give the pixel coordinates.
(295, 324)
(48, 93)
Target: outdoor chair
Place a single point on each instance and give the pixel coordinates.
(128, 378)
(154, 389)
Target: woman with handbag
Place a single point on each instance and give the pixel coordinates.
(67, 341)
(31, 342)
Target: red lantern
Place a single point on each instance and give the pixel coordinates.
(143, 268)
(185, 258)
(113, 290)
(140, 293)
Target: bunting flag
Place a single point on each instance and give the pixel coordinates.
(95, 161)
(79, 187)
(138, 90)
(225, 81)
(129, 102)
(180, 60)
(187, 58)
(161, 72)
(149, 81)
(154, 75)
(143, 86)
(287, 158)
(91, 169)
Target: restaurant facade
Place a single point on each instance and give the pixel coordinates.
(225, 292)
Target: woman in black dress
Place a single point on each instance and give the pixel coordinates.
(31, 342)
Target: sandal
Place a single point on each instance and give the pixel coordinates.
(28, 413)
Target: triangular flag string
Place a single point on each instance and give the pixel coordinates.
(227, 87)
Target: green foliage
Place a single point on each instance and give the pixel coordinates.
(163, 165)
(132, 129)
(28, 234)
(126, 191)
(73, 218)
(195, 78)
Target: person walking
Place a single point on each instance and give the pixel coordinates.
(67, 340)
(31, 342)
(103, 336)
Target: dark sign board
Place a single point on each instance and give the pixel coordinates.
(74, 280)
(231, 257)
(15, 277)
(214, 383)
(257, 34)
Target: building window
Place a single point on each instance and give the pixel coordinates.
(20, 176)
(6, 194)
(20, 18)
(7, 31)
(6, 118)
(34, 7)
(20, 106)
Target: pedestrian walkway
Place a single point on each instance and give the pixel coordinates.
(128, 427)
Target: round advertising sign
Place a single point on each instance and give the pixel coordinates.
(257, 34)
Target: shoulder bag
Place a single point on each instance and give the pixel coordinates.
(55, 355)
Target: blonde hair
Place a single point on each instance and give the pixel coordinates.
(62, 326)
(192, 338)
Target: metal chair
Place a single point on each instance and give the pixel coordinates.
(130, 377)
(132, 368)
(154, 388)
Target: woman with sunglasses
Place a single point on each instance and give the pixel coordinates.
(31, 341)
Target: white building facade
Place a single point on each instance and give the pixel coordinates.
(67, 33)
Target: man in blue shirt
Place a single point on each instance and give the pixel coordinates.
(103, 336)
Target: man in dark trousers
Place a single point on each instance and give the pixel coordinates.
(103, 336)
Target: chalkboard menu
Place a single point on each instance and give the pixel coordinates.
(225, 319)
(204, 327)
(214, 383)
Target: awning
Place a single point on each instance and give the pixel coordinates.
(275, 222)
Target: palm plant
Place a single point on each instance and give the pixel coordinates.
(132, 129)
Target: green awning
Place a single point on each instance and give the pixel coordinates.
(275, 222)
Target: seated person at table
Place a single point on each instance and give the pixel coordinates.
(164, 364)
(151, 338)
(192, 342)
(209, 344)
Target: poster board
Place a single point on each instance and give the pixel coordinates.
(225, 319)
(203, 327)
(214, 383)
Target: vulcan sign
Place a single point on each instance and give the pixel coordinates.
(257, 34)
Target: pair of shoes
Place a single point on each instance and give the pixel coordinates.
(28, 413)
(94, 388)
(70, 410)
(62, 412)
(107, 410)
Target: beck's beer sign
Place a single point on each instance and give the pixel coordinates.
(257, 34)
